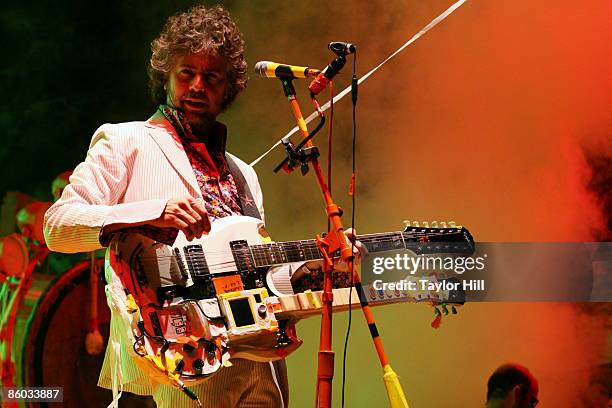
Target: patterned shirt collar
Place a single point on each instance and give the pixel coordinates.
(215, 141)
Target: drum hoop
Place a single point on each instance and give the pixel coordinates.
(18, 238)
(57, 289)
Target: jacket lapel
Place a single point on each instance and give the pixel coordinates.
(164, 135)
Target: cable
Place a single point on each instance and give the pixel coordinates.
(329, 143)
(354, 85)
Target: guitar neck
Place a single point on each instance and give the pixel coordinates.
(266, 255)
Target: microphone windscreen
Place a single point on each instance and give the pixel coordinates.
(260, 68)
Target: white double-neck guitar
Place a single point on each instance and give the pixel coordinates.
(196, 304)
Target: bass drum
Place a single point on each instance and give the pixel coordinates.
(49, 339)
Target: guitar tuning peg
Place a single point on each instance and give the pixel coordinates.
(425, 224)
(452, 224)
(434, 224)
(415, 224)
(437, 320)
(442, 224)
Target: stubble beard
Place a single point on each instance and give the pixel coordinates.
(200, 124)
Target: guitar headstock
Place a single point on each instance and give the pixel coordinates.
(425, 232)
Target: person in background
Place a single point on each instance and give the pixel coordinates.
(512, 386)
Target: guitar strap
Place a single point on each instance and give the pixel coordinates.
(247, 203)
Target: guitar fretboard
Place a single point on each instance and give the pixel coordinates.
(283, 252)
(276, 253)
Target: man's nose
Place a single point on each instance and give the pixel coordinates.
(198, 84)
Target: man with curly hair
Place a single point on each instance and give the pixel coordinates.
(167, 174)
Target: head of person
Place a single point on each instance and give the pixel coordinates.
(197, 64)
(512, 386)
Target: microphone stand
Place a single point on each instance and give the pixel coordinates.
(335, 241)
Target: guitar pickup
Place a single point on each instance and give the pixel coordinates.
(196, 262)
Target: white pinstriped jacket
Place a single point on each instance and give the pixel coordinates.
(130, 172)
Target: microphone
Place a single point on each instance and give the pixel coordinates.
(341, 48)
(269, 69)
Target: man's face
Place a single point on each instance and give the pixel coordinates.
(197, 85)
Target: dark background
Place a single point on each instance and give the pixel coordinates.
(67, 69)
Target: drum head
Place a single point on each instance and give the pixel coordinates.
(54, 352)
(49, 340)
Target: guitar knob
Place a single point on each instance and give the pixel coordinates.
(282, 340)
(211, 350)
(452, 224)
(442, 224)
(261, 311)
(415, 224)
(425, 224)
(188, 349)
(434, 224)
(406, 223)
(197, 364)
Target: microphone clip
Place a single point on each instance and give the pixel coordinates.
(341, 49)
(297, 156)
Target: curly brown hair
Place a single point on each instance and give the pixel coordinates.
(209, 29)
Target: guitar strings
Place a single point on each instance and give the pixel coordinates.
(263, 254)
(266, 252)
(297, 254)
(366, 238)
(259, 260)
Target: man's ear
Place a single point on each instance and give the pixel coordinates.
(516, 394)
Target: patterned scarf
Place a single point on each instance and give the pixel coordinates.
(211, 148)
(207, 158)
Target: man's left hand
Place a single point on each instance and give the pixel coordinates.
(340, 265)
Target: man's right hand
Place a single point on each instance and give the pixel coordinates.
(186, 214)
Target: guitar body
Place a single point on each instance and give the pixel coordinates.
(191, 307)
(176, 289)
